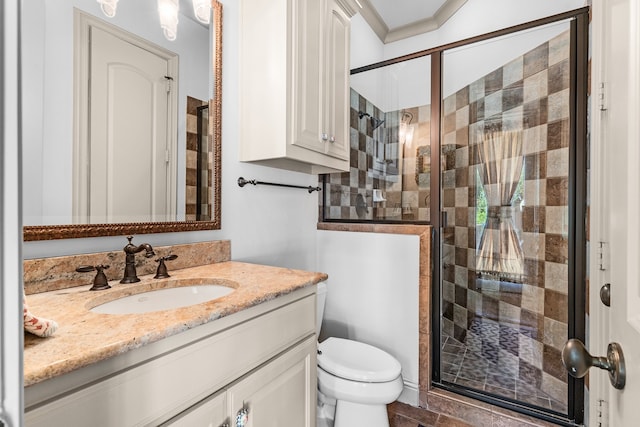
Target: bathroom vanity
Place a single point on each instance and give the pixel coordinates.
(250, 353)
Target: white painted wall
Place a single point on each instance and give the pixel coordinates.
(366, 47)
(373, 294)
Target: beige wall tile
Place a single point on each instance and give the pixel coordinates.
(558, 162)
(533, 298)
(555, 333)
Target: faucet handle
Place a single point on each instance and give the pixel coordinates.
(129, 238)
(162, 273)
(100, 282)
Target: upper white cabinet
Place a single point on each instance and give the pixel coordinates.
(294, 84)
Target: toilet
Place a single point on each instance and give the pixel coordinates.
(356, 381)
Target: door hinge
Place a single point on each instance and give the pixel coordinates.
(169, 81)
(603, 256)
(602, 413)
(601, 97)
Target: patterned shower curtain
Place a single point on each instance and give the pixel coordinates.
(500, 253)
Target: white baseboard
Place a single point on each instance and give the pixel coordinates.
(410, 394)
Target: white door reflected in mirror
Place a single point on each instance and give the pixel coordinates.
(130, 165)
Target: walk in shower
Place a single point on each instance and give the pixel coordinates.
(485, 140)
(509, 197)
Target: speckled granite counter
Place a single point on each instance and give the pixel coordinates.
(85, 337)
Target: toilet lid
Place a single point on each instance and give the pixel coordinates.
(357, 361)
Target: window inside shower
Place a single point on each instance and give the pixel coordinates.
(485, 140)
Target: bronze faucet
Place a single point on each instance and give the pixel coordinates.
(100, 282)
(130, 275)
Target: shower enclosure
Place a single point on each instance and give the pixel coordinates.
(485, 139)
(512, 236)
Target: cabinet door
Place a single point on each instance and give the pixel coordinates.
(212, 412)
(337, 81)
(281, 393)
(308, 76)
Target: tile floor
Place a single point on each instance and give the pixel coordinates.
(481, 365)
(403, 415)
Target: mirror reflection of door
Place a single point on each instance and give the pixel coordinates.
(130, 146)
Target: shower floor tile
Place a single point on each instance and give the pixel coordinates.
(482, 365)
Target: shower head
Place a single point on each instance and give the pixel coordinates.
(376, 123)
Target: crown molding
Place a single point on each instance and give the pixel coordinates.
(370, 14)
(446, 11)
(351, 7)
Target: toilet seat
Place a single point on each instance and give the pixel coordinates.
(366, 393)
(357, 361)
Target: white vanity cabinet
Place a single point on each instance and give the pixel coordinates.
(262, 358)
(294, 84)
(277, 393)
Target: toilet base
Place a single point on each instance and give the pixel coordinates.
(349, 414)
(326, 410)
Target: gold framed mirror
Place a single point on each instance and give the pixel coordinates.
(46, 228)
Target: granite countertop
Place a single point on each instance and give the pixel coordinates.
(84, 337)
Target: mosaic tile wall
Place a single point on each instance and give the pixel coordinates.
(192, 165)
(518, 326)
(378, 161)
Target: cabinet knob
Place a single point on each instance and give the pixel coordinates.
(324, 136)
(242, 418)
(332, 139)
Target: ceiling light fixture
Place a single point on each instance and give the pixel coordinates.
(108, 7)
(202, 10)
(168, 12)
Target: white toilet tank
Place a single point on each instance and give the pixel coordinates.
(320, 301)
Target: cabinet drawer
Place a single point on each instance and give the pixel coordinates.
(160, 388)
(210, 412)
(281, 392)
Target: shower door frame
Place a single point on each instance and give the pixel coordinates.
(578, 89)
(579, 36)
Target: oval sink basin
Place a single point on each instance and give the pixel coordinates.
(163, 299)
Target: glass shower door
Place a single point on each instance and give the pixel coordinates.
(505, 198)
